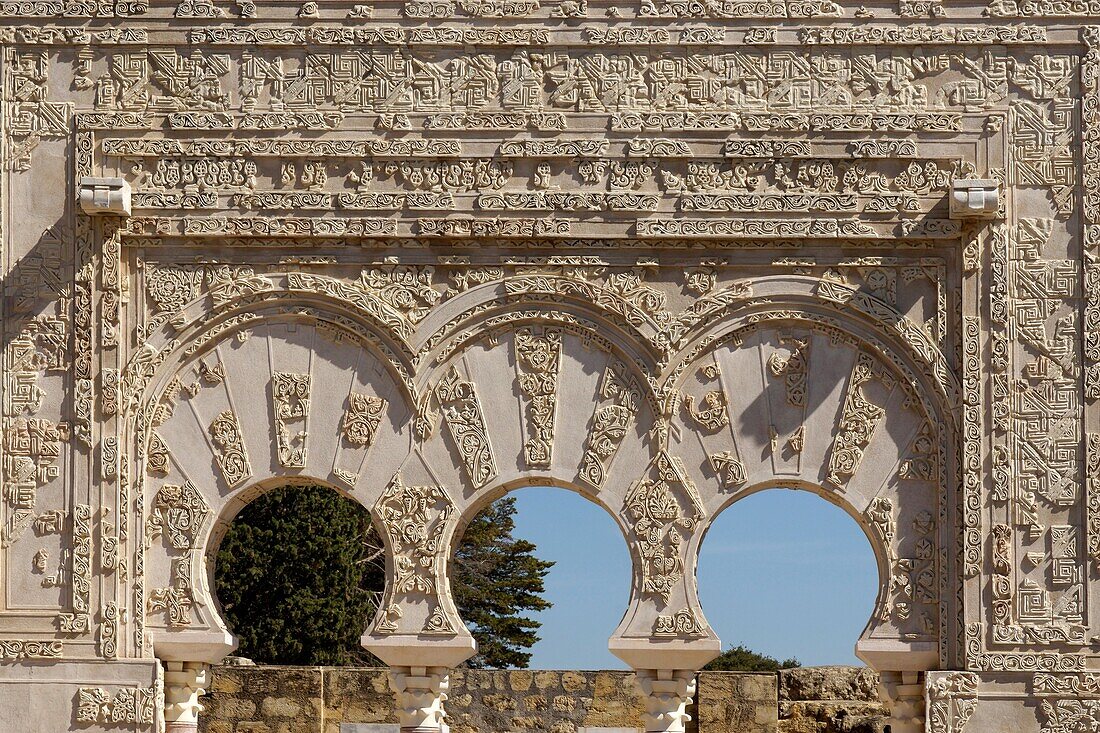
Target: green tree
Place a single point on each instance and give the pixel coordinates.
(298, 574)
(301, 571)
(495, 578)
(742, 659)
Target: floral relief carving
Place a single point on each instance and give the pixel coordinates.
(448, 172)
(290, 397)
(415, 518)
(362, 418)
(538, 357)
(464, 417)
(662, 510)
(683, 623)
(177, 599)
(858, 421)
(793, 367)
(157, 458)
(230, 451)
(952, 698)
(619, 400)
(179, 512)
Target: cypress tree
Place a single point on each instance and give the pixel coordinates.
(495, 578)
(301, 571)
(298, 575)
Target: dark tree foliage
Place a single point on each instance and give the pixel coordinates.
(301, 570)
(298, 575)
(495, 578)
(742, 659)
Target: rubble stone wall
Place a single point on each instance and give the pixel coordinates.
(271, 699)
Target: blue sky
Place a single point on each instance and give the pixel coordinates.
(783, 572)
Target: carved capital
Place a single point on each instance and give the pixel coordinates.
(184, 682)
(666, 693)
(421, 692)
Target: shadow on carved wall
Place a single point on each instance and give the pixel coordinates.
(788, 574)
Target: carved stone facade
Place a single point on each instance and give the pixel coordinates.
(665, 253)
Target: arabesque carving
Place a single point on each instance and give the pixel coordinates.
(663, 252)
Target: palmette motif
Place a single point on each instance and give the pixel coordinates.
(664, 252)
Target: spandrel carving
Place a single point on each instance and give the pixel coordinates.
(340, 158)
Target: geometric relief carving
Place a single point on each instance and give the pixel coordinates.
(415, 518)
(538, 357)
(858, 421)
(230, 453)
(32, 447)
(661, 509)
(619, 398)
(462, 411)
(290, 395)
(180, 512)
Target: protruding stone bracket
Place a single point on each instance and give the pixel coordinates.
(667, 694)
(421, 692)
(104, 196)
(975, 198)
(184, 682)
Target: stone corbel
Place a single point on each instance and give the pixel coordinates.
(975, 198)
(104, 196)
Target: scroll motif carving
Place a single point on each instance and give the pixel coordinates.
(290, 397)
(619, 400)
(794, 367)
(362, 418)
(730, 469)
(683, 623)
(180, 513)
(712, 413)
(230, 452)
(16, 649)
(128, 705)
(463, 414)
(178, 598)
(661, 509)
(858, 421)
(157, 458)
(951, 699)
(415, 518)
(538, 357)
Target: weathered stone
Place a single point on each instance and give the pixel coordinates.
(662, 252)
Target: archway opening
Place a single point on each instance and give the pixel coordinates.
(584, 586)
(299, 574)
(790, 576)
